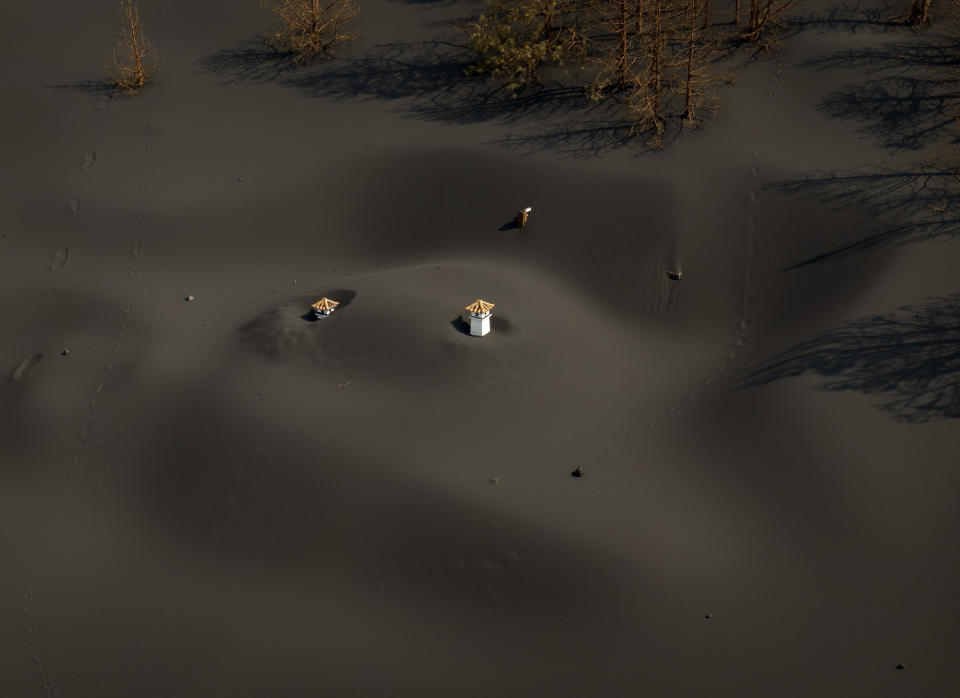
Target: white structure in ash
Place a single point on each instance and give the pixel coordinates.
(480, 312)
(324, 307)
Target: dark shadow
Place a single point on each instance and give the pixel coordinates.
(851, 16)
(91, 88)
(428, 80)
(577, 137)
(910, 357)
(907, 101)
(916, 204)
(252, 60)
(908, 96)
(574, 139)
(430, 77)
(460, 325)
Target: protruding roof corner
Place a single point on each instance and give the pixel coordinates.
(480, 306)
(325, 304)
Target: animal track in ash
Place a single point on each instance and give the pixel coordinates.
(743, 324)
(88, 163)
(59, 261)
(60, 257)
(25, 367)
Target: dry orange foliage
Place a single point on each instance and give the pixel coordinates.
(133, 61)
(311, 28)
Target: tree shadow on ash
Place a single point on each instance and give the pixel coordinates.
(916, 204)
(573, 139)
(91, 88)
(252, 60)
(907, 102)
(908, 97)
(851, 16)
(911, 358)
(428, 81)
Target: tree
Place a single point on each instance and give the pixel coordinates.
(615, 65)
(651, 56)
(919, 13)
(133, 61)
(766, 20)
(518, 37)
(691, 50)
(311, 28)
(647, 103)
(697, 79)
(621, 29)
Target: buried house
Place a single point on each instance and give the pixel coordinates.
(480, 312)
(324, 307)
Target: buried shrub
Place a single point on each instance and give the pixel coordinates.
(311, 28)
(133, 62)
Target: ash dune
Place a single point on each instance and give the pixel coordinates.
(411, 312)
(560, 370)
(229, 497)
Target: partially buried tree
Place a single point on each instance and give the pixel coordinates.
(648, 102)
(617, 62)
(311, 28)
(766, 20)
(649, 56)
(515, 38)
(133, 62)
(919, 13)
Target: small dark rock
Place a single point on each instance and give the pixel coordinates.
(189, 299)
(901, 667)
(708, 616)
(674, 275)
(65, 352)
(494, 481)
(578, 472)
